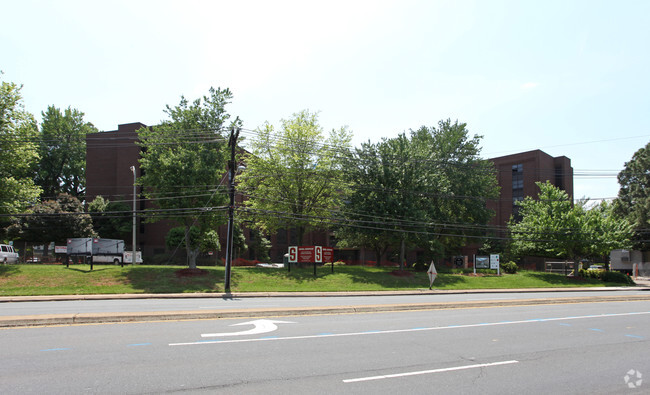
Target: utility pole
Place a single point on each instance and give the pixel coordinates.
(232, 143)
(134, 219)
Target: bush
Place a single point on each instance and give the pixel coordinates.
(509, 267)
(617, 277)
(595, 274)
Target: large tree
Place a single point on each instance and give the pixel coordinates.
(553, 226)
(53, 220)
(293, 176)
(633, 200)
(427, 188)
(183, 164)
(111, 220)
(62, 149)
(18, 152)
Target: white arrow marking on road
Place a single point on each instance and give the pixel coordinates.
(261, 326)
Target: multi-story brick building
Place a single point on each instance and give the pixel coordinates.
(517, 175)
(110, 155)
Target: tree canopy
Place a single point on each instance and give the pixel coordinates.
(62, 150)
(427, 188)
(18, 152)
(183, 164)
(293, 176)
(53, 220)
(111, 220)
(633, 200)
(552, 226)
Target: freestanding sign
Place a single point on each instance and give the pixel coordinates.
(432, 273)
(494, 263)
(310, 254)
(293, 254)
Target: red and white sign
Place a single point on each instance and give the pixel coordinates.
(328, 254)
(310, 254)
(306, 254)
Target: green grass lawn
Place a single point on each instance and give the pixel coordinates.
(18, 280)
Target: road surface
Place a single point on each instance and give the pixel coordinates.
(569, 348)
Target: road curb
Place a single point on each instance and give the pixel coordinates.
(94, 318)
(238, 295)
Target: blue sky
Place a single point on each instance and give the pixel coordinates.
(568, 77)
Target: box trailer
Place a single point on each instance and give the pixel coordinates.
(96, 250)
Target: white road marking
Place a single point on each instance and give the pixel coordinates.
(392, 376)
(260, 326)
(434, 328)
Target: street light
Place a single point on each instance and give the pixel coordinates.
(134, 179)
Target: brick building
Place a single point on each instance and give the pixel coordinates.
(110, 155)
(517, 175)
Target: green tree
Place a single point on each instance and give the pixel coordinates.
(18, 152)
(184, 161)
(633, 200)
(62, 166)
(111, 220)
(428, 188)
(552, 226)
(200, 240)
(293, 177)
(260, 246)
(53, 220)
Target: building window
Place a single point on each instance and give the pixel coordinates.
(517, 189)
(559, 177)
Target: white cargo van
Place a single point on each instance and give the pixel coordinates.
(8, 254)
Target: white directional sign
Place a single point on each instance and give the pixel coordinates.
(260, 326)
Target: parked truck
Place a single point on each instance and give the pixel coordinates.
(96, 250)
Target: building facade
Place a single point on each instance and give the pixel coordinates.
(110, 155)
(517, 175)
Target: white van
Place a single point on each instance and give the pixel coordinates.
(8, 254)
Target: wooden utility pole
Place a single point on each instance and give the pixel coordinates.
(232, 165)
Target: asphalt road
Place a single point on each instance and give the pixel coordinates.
(221, 303)
(567, 348)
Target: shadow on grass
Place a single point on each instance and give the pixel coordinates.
(165, 280)
(372, 277)
(8, 270)
(558, 279)
(86, 271)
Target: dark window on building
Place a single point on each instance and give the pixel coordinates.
(293, 235)
(559, 177)
(517, 189)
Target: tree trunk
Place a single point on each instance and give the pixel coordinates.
(402, 254)
(378, 254)
(191, 257)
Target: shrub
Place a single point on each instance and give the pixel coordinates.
(617, 277)
(509, 267)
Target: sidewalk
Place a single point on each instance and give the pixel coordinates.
(88, 318)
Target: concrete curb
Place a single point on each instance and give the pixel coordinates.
(91, 318)
(239, 295)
